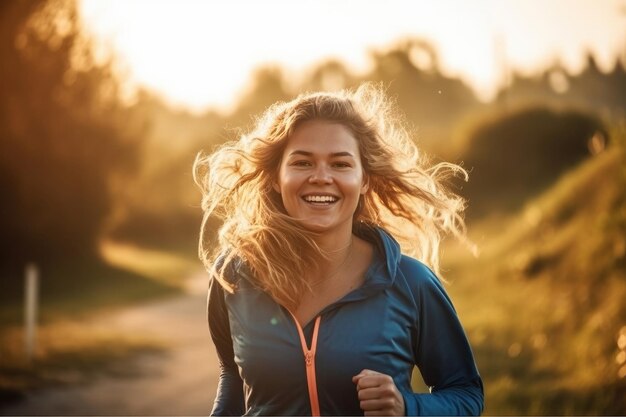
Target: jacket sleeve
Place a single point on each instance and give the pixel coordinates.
(229, 399)
(443, 356)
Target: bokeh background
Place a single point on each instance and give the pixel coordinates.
(104, 105)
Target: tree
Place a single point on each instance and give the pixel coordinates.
(63, 144)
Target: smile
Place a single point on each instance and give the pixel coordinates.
(320, 199)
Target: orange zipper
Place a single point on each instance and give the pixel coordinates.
(309, 360)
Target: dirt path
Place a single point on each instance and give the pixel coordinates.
(180, 382)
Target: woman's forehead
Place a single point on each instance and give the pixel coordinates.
(321, 135)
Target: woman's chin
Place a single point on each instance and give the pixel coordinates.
(324, 227)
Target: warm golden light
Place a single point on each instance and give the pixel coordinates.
(99, 198)
(198, 54)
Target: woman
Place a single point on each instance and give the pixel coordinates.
(312, 306)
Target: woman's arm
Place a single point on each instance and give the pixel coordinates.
(443, 356)
(229, 399)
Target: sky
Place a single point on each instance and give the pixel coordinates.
(199, 54)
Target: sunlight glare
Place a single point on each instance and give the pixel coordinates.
(198, 54)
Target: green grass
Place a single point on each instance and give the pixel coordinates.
(545, 303)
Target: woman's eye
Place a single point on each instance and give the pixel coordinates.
(301, 163)
(342, 165)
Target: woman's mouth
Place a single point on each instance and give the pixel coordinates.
(320, 199)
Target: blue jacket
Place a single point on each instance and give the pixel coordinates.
(399, 318)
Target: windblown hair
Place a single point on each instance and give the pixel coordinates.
(406, 195)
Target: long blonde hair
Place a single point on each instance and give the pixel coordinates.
(406, 194)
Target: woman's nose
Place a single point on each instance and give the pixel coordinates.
(321, 175)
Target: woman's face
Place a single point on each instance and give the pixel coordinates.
(321, 178)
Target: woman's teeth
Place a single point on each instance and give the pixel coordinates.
(320, 199)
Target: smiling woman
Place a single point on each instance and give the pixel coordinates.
(313, 307)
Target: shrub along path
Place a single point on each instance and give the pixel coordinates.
(182, 381)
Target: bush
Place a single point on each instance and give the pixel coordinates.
(519, 154)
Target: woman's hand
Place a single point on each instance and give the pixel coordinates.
(378, 394)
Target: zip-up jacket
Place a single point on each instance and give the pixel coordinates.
(401, 317)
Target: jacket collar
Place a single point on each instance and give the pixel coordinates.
(387, 252)
(386, 259)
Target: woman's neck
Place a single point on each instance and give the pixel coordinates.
(331, 243)
(336, 258)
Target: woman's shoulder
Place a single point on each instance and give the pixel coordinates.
(417, 274)
(411, 264)
(230, 270)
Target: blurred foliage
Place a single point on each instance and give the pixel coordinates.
(517, 154)
(593, 91)
(66, 141)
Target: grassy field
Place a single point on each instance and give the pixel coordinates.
(544, 304)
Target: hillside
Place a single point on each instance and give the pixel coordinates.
(544, 304)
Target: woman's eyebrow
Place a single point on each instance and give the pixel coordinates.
(334, 154)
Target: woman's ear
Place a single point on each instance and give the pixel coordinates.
(275, 186)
